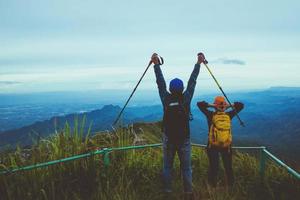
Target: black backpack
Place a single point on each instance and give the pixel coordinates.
(176, 119)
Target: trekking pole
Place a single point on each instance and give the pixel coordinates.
(118, 117)
(237, 115)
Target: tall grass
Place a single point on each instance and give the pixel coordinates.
(133, 174)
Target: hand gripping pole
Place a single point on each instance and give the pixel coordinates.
(119, 115)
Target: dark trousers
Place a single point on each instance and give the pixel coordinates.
(213, 157)
(184, 153)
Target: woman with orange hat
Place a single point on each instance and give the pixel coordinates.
(219, 136)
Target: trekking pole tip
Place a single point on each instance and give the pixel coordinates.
(113, 128)
(242, 124)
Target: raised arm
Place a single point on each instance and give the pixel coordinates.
(161, 83)
(189, 92)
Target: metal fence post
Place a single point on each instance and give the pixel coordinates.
(106, 159)
(262, 164)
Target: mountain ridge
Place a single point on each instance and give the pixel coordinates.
(271, 119)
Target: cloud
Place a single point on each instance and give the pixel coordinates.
(227, 61)
(9, 82)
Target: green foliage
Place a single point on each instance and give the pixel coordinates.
(132, 174)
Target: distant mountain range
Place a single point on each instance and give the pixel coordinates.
(272, 118)
(98, 120)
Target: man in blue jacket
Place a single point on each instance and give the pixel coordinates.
(176, 137)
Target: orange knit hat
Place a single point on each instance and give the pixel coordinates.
(220, 101)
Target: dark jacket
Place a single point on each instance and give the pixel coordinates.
(187, 94)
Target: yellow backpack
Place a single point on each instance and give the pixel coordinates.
(220, 130)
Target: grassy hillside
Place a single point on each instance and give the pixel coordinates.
(271, 118)
(134, 174)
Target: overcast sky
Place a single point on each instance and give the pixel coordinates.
(63, 45)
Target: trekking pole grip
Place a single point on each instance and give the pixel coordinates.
(161, 62)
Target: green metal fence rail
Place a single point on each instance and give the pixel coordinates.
(45, 164)
(264, 154)
(105, 152)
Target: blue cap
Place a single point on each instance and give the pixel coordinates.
(176, 86)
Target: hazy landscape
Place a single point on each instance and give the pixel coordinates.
(68, 67)
(271, 117)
